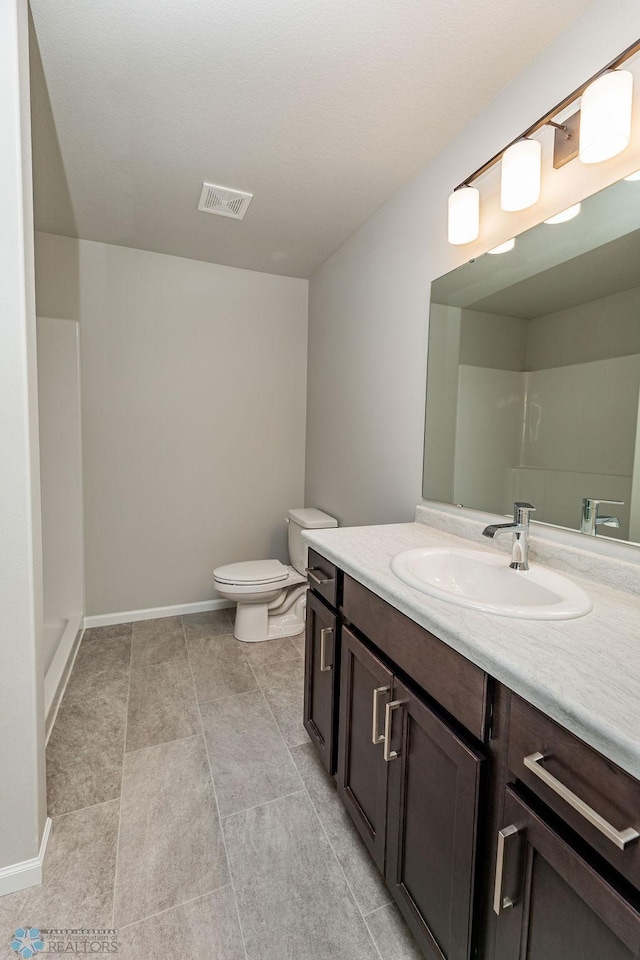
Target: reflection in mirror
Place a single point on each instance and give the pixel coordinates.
(533, 381)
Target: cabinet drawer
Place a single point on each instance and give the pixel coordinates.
(323, 577)
(583, 783)
(455, 683)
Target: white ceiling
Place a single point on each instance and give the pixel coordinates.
(320, 108)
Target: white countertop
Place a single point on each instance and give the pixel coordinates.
(584, 673)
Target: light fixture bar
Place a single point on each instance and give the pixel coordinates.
(549, 117)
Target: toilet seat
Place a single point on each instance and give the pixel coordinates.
(252, 572)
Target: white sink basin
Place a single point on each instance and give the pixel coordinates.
(484, 581)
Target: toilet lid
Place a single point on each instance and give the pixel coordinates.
(252, 571)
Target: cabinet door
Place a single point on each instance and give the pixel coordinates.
(434, 784)
(365, 689)
(551, 902)
(321, 679)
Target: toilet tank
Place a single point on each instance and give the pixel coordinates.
(304, 518)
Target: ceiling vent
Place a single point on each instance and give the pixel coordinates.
(223, 201)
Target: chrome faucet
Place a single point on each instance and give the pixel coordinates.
(590, 520)
(520, 530)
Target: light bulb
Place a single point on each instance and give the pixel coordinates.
(565, 215)
(504, 247)
(633, 177)
(520, 179)
(605, 116)
(464, 215)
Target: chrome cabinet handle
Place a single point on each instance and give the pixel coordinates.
(324, 666)
(621, 838)
(500, 901)
(387, 752)
(375, 736)
(310, 571)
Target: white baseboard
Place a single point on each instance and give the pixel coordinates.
(28, 873)
(59, 670)
(155, 613)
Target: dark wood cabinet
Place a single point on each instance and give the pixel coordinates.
(322, 672)
(500, 835)
(365, 689)
(432, 825)
(553, 903)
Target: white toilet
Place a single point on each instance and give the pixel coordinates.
(271, 597)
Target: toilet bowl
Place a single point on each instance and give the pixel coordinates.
(271, 597)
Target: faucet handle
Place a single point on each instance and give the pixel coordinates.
(592, 502)
(522, 510)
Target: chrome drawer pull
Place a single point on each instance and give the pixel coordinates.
(500, 902)
(324, 666)
(387, 752)
(621, 838)
(375, 736)
(316, 579)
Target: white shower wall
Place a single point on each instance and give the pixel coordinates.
(555, 436)
(61, 491)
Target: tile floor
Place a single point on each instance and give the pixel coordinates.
(190, 811)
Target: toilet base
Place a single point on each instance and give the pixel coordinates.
(254, 623)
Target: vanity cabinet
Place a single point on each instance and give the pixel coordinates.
(365, 689)
(321, 679)
(433, 808)
(552, 902)
(500, 835)
(412, 787)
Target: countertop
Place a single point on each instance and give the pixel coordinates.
(584, 673)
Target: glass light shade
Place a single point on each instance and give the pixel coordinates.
(520, 180)
(504, 247)
(605, 116)
(565, 215)
(464, 215)
(633, 177)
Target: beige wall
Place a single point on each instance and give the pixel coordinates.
(598, 330)
(368, 304)
(193, 406)
(22, 797)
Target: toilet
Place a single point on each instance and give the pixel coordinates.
(271, 597)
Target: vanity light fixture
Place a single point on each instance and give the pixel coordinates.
(605, 116)
(633, 177)
(598, 131)
(464, 215)
(565, 215)
(504, 247)
(520, 176)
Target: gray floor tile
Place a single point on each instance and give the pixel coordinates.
(268, 650)
(157, 640)
(282, 683)
(207, 927)
(77, 887)
(212, 623)
(162, 704)
(392, 936)
(293, 899)
(84, 753)
(101, 667)
(220, 667)
(249, 759)
(171, 848)
(298, 643)
(106, 633)
(368, 887)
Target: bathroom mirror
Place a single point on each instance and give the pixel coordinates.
(533, 384)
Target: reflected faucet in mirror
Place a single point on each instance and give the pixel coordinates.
(590, 519)
(520, 530)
